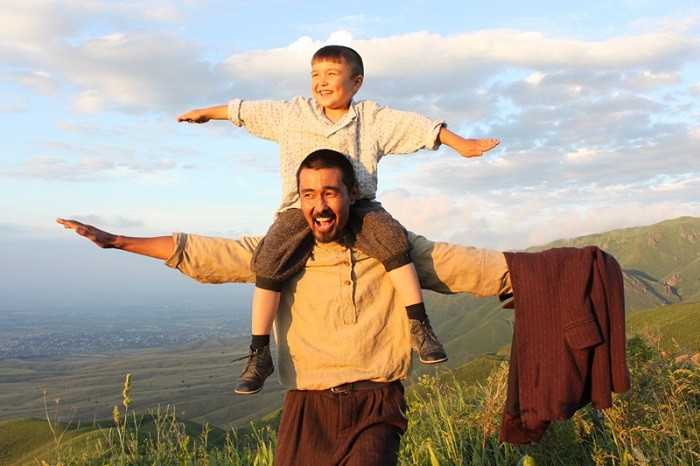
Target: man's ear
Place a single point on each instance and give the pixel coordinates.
(353, 194)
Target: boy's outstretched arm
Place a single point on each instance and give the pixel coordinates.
(159, 247)
(466, 147)
(202, 115)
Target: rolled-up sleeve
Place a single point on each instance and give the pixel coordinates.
(262, 118)
(452, 268)
(213, 260)
(401, 132)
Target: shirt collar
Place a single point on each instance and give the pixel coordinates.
(348, 117)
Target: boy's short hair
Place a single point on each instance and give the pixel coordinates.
(341, 54)
(328, 158)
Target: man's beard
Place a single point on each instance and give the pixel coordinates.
(326, 237)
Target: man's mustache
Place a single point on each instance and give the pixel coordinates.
(324, 213)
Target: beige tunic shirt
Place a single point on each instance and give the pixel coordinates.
(340, 319)
(365, 134)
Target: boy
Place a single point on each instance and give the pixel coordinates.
(364, 132)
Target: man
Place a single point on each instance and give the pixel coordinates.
(342, 336)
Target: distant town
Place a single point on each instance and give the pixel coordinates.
(61, 344)
(28, 335)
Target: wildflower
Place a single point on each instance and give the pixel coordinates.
(116, 415)
(126, 392)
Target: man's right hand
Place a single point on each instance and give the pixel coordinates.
(101, 238)
(158, 247)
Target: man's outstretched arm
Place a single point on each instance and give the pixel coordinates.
(205, 259)
(454, 268)
(159, 247)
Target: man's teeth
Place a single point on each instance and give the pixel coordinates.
(323, 219)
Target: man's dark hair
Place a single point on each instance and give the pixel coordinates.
(341, 54)
(328, 158)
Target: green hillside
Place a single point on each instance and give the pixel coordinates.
(24, 440)
(676, 327)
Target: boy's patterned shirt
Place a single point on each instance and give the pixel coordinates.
(365, 134)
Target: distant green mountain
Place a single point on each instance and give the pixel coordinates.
(661, 261)
(661, 266)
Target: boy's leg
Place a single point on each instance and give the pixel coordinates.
(423, 339)
(259, 366)
(282, 253)
(379, 235)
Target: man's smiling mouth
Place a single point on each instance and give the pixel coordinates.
(324, 221)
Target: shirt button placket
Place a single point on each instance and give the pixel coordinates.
(347, 290)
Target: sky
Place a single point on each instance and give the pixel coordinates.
(596, 106)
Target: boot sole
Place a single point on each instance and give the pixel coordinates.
(241, 392)
(434, 361)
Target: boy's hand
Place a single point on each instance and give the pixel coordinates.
(466, 147)
(194, 116)
(476, 147)
(202, 115)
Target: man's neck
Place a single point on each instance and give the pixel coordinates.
(345, 240)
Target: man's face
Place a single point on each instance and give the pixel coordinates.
(325, 202)
(333, 85)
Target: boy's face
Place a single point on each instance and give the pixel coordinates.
(333, 86)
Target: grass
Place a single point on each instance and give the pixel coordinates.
(677, 327)
(656, 423)
(453, 419)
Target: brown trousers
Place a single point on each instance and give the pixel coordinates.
(361, 427)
